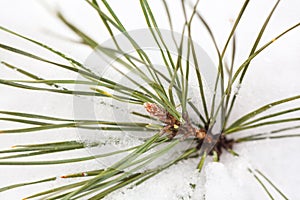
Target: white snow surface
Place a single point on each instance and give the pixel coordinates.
(273, 75)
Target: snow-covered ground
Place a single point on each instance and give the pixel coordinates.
(273, 75)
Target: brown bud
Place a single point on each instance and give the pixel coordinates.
(156, 111)
(200, 133)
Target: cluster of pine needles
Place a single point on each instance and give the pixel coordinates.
(168, 105)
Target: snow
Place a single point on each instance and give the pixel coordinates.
(220, 184)
(273, 75)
